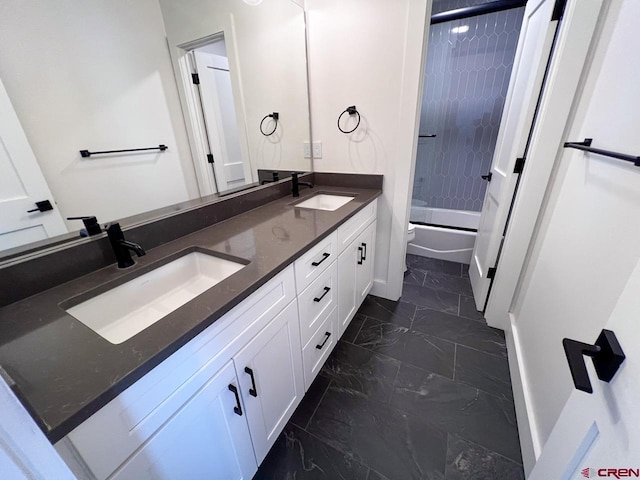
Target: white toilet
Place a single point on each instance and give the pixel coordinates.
(411, 235)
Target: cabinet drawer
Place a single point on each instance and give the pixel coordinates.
(316, 351)
(315, 261)
(112, 434)
(348, 232)
(317, 300)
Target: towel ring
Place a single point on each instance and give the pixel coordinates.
(275, 117)
(351, 111)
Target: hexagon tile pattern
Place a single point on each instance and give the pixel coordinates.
(466, 79)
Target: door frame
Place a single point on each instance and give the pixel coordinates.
(571, 54)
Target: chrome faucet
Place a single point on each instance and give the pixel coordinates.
(122, 247)
(295, 185)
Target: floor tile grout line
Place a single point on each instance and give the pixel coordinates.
(455, 358)
(317, 405)
(510, 460)
(393, 384)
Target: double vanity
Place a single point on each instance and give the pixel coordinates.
(190, 363)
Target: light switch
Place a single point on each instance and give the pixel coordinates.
(317, 149)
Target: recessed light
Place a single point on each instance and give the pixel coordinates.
(253, 3)
(460, 29)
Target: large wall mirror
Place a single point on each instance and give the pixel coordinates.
(204, 96)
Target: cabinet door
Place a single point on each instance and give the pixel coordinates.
(207, 438)
(347, 298)
(366, 254)
(269, 369)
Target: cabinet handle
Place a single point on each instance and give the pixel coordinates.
(360, 257)
(238, 408)
(252, 391)
(326, 290)
(364, 255)
(325, 255)
(326, 338)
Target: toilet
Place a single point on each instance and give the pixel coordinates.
(411, 234)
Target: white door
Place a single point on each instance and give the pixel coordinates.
(207, 438)
(364, 269)
(599, 432)
(21, 186)
(532, 54)
(271, 380)
(225, 130)
(347, 302)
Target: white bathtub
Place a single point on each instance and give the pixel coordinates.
(442, 242)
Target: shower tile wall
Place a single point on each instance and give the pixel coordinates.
(466, 80)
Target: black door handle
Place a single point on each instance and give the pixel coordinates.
(364, 254)
(360, 256)
(43, 206)
(252, 391)
(238, 408)
(487, 177)
(607, 357)
(325, 255)
(326, 338)
(326, 290)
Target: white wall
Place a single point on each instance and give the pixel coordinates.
(266, 51)
(369, 53)
(88, 74)
(587, 242)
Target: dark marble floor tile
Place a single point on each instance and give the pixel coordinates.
(468, 309)
(414, 276)
(373, 475)
(400, 313)
(409, 346)
(351, 367)
(448, 283)
(352, 330)
(394, 443)
(426, 297)
(433, 265)
(489, 373)
(457, 408)
(310, 401)
(297, 454)
(468, 461)
(460, 330)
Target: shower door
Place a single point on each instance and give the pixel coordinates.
(467, 74)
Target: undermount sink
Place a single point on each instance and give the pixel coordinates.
(124, 311)
(325, 201)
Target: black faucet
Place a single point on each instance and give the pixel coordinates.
(295, 185)
(121, 246)
(275, 176)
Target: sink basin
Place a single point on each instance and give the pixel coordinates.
(122, 312)
(324, 201)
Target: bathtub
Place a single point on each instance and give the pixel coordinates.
(442, 242)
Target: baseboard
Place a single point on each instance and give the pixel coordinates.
(529, 440)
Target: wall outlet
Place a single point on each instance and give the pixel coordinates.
(306, 146)
(317, 149)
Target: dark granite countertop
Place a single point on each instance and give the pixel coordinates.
(64, 372)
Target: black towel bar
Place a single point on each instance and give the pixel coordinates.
(585, 145)
(87, 153)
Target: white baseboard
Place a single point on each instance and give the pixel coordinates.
(529, 440)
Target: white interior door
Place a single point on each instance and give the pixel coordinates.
(597, 433)
(21, 186)
(225, 132)
(532, 54)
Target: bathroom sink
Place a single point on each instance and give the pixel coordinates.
(325, 201)
(122, 312)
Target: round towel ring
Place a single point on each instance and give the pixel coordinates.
(351, 111)
(275, 117)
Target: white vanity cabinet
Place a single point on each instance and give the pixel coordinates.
(215, 407)
(270, 372)
(207, 438)
(355, 273)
